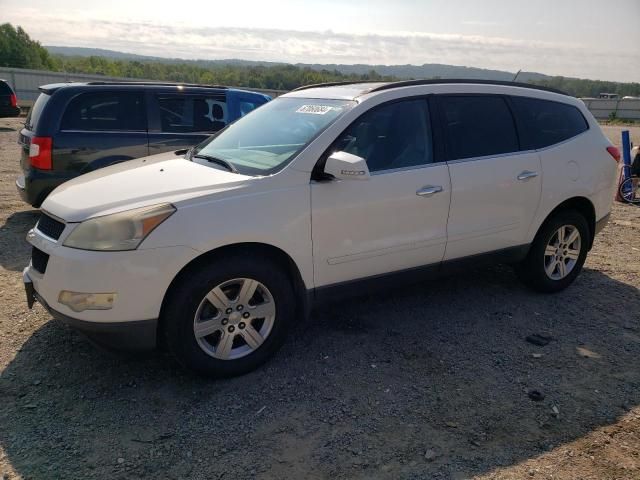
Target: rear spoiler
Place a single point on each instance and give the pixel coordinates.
(52, 87)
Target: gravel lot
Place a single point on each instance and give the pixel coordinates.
(426, 382)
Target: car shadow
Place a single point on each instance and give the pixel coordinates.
(15, 252)
(430, 381)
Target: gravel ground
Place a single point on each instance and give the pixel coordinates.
(426, 382)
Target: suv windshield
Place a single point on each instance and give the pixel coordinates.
(272, 135)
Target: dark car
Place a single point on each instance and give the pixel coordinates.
(8, 101)
(75, 128)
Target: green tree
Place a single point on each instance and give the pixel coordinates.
(19, 51)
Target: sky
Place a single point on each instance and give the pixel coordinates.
(597, 39)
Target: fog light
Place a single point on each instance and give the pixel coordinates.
(78, 301)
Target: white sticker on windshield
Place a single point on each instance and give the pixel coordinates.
(314, 109)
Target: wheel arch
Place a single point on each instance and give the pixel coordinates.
(582, 205)
(275, 254)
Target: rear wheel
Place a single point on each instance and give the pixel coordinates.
(557, 254)
(228, 317)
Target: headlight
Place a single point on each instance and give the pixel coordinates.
(118, 231)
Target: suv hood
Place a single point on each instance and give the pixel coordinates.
(163, 178)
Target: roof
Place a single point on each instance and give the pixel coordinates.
(335, 90)
(352, 90)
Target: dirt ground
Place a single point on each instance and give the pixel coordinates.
(430, 382)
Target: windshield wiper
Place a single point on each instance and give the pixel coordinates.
(218, 161)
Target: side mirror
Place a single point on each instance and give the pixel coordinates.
(345, 166)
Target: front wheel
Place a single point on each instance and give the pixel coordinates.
(227, 317)
(557, 253)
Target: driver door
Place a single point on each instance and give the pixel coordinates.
(397, 219)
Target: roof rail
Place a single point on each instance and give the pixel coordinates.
(410, 83)
(159, 84)
(334, 84)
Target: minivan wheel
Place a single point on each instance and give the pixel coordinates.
(228, 317)
(557, 254)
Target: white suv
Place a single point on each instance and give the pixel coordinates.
(217, 251)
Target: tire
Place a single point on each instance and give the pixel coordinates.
(534, 270)
(231, 349)
(626, 191)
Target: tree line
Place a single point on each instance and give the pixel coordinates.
(18, 50)
(276, 77)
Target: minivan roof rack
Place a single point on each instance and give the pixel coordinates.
(410, 83)
(159, 84)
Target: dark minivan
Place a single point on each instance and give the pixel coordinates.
(75, 128)
(8, 101)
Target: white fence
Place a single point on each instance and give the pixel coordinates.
(26, 82)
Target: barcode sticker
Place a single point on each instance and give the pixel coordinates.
(314, 109)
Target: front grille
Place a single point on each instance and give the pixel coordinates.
(39, 260)
(51, 227)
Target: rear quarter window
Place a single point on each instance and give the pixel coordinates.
(477, 126)
(543, 123)
(110, 111)
(36, 111)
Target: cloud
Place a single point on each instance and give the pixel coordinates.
(184, 41)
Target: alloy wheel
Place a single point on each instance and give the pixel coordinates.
(562, 252)
(234, 318)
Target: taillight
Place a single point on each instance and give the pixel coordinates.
(40, 153)
(13, 99)
(614, 152)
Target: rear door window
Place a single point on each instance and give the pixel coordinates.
(543, 123)
(184, 113)
(477, 126)
(106, 111)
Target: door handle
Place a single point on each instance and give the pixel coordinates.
(429, 190)
(526, 175)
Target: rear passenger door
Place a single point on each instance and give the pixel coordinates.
(178, 121)
(101, 128)
(495, 186)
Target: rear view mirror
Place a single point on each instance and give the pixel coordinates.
(345, 166)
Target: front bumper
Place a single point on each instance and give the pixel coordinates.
(131, 336)
(139, 278)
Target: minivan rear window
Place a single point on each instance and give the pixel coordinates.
(478, 126)
(544, 123)
(123, 111)
(34, 112)
(187, 113)
(5, 89)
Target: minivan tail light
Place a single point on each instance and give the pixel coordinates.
(40, 153)
(614, 152)
(13, 100)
